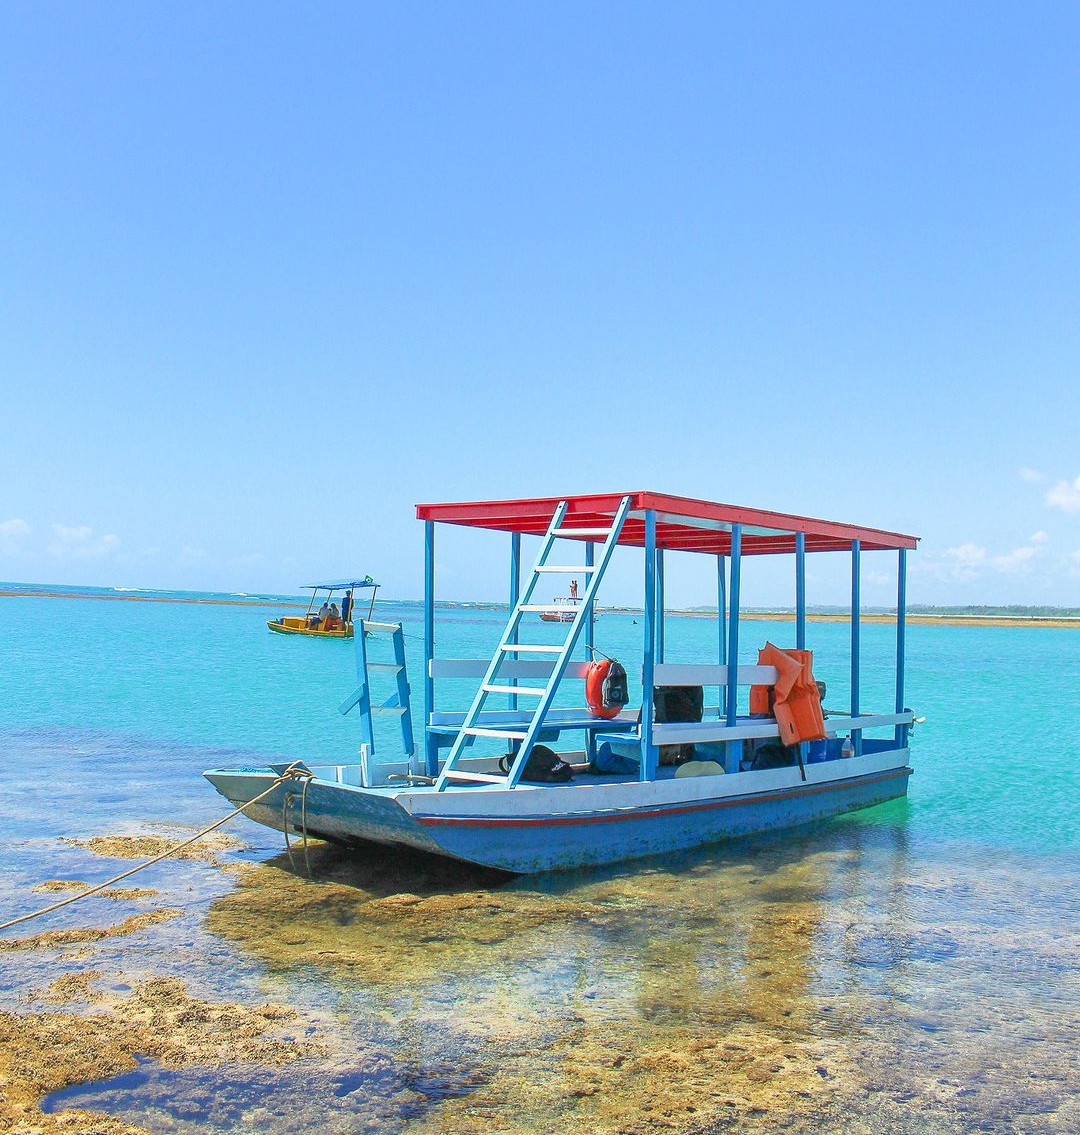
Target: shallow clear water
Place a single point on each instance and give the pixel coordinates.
(911, 968)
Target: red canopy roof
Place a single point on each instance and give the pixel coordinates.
(682, 523)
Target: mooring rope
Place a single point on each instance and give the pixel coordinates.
(295, 771)
(286, 805)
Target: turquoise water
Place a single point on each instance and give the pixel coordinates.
(998, 760)
(941, 947)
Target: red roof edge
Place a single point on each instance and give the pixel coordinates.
(682, 522)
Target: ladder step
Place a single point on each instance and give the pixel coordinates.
(515, 690)
(479, 777)
(531, 648)
(554, 607)
(582, 568)
(385, 667)
(388, 710)
(563, 532)
(476, 731)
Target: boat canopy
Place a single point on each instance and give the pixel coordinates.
(341, 584)
(682, 523)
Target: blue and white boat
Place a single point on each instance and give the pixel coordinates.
(464, 791)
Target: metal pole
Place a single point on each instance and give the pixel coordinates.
(648, 749)
(901, 635)
(800, 590)
(856, 609)
(659, 604)
(733, 751)
(590, 622)
(721, 608)
(431, 746)
(515, 592)
(590, 642)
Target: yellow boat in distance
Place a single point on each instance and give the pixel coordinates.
(328, 620)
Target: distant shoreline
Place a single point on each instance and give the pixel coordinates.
(752, 616)
(925, 620)
(149, 599)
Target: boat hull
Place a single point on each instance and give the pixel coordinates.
(525, 836)
(289, 625)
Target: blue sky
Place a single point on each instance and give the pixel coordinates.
(270, 274)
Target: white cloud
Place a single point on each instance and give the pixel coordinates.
(12, 534)
(1039, 537)
(1032, 475)
(77, 534)
(1019, 559)
(77, 542)
(247, 561)
(1065, 495)
(15, 528)
(958, 564)
(189, 555)
(969, 555)
(966, 555)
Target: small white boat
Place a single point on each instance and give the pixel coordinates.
(564, 610)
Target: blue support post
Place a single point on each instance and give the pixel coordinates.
(590, 622)
(363, 694)
(800, 621)
(901, 634)
(649, 752)
(590, 642)
(800, 591)
(733, 749)
(721, 610)
(856, 612)
(431, 745)
(515, 592)
(659, 604)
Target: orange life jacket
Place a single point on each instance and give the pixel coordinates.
(794, 700)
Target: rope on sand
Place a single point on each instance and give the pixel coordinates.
(295, 771)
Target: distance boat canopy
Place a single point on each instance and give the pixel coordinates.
(682, 523)
(341, 584)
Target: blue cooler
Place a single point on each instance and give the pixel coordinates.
(816, 752)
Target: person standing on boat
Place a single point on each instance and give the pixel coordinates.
(346, 607)
(573, 589)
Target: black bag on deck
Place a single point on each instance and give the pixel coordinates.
(678, 703)
(543, 766)
(674, 704)
(774, 755)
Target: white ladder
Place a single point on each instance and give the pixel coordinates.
(526, 735)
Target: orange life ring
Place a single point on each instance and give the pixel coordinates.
(594, 690)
